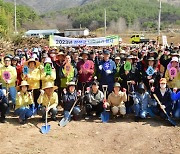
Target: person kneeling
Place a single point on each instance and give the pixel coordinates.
(142, 102)
(48, 100)
(117, 99)
(94, 100)
(23, 100)
(69, 98)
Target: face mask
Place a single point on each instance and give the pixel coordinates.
(163, 86)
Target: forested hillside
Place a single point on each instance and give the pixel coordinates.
(24, 14)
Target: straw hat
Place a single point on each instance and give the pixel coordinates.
(49, 85)
(23, 83)
(32, 60)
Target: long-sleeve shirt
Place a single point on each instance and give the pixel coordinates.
(33, 78)
(85, 77)
(52, 102)
(48, 78)
(23, 99)
(68, 100)
(94, 98)
(117, 100)
(13, 75)
(175, 96)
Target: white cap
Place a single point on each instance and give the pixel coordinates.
(48, 60)
(175, 59)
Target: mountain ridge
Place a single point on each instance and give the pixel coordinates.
(45, 6)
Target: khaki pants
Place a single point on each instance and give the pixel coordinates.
(119, 109)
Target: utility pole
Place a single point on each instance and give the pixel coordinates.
(159, 23)
(105, 22)
(15, 22)
(159, 20)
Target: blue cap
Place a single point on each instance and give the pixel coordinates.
(106, 52)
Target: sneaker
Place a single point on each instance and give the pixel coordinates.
(87, 118)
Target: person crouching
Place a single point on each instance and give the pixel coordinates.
(69, 98)
(23, 101)
(117, 100)
(48, 100)
(94, 100)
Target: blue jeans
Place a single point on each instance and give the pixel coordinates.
(12, 93)
(76, 111)
(176, 110)
(23, 113)
(139, 112)
(52, 111)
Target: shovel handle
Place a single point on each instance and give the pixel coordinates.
(159, 103)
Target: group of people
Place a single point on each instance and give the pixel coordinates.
(120, 79)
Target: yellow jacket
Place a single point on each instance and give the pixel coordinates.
(44, 100)
(13, 73)
(175, 82)
(33, 78)
(48, 78)
(23, 100)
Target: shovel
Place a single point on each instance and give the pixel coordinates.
(46, 128)
(64, 121)
(105, 114)
(173, 123)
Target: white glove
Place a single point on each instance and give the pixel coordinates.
(151, 81)
(108, 71)
(42, 92)
(100, 67)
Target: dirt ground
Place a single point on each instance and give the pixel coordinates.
(121, 135)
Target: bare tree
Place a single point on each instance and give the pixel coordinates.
(117, 27)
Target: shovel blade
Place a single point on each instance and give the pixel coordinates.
(63, 122)
(173, 123)
(45, 129)
(105, 116)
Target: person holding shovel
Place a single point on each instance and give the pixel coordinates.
(94, 100)
(8, 76)
(69, 98)
(117, 99)
(23, 100)
(48, 99)
(164, 95)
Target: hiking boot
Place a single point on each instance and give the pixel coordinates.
(42, 119)
(2, 119)
(53, 118)
(136, 119)
(22, 121)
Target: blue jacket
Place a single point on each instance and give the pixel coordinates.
(175, 96)
(107, 78)
(68, 100)
(3, 98)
